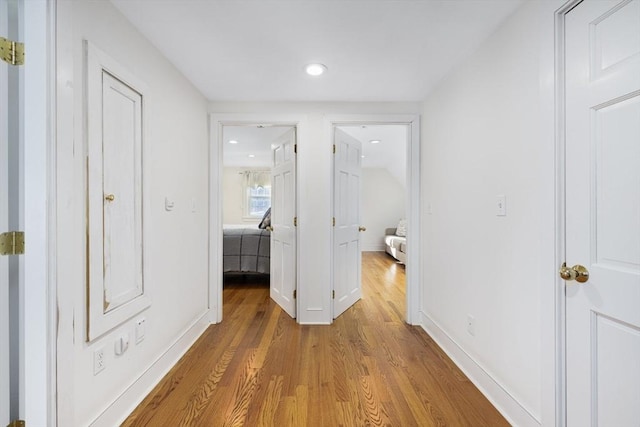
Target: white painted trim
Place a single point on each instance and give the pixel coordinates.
(496, 393)
(373, 248)
(414, 271)
(38, 316)
(122, 407)
(216, 124)
(560, 216)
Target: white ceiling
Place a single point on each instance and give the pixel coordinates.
(375, 50)
(251, 141)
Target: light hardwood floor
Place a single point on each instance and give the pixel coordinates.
(259, 368)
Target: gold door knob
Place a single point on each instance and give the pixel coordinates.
(361, 228)
(269, 228)
(109, 197)
(578, 273)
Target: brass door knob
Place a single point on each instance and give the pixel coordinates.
(578, 273)
(361, 228)
(109, 197)
(269, 228)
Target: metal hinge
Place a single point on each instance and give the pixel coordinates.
(334, 148)
(333, 294)
(12, 243)
(295, 221)
(334, 221)
(11, 52)
(295, 148)
(17, 423)
(295, 293)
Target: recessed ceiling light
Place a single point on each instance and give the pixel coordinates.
(251, 156)
(362, 156)
(315, 70)
(233, 141)
(375, 141)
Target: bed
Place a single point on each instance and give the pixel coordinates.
(246, 250)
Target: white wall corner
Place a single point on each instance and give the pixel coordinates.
(514, 412)
(122, 407)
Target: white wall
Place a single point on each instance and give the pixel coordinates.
(176, 243)
(488, 130)
(233, 197)
(314, 190)
(383, 205)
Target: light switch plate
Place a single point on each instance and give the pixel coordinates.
(501, 205)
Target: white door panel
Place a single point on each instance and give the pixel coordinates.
(346, 235)
(283, 212)
(603, 212)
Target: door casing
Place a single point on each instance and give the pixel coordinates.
(414, 271)
(216, 125)
(560, 214)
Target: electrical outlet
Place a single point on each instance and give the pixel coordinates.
(471, 325)
(99, 361)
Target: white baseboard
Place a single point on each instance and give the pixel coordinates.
(120, 409)
(496, 393)
(373, 248)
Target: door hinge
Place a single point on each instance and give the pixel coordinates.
(17, 423)
(334, 221)
(334, 148)
(295, 221)
(11, 52)
(12, 243)
(295, 293)
(295, 148)
(333, 294)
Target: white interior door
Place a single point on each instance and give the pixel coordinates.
(603, 213)
(283, 222)
(347, 258)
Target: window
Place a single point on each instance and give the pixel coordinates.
(257, 184)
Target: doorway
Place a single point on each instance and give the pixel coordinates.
(254, 226)
(404, 156)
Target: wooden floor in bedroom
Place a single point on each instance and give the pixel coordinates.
(260, 368)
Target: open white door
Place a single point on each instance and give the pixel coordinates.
(603, 213)
(283, 222)
(347, 258)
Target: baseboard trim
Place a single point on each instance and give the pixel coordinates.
(505, 403)
(373, 248)
(120, 409)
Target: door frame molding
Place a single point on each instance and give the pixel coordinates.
(414, 271)
(216, 125)
(560, 213)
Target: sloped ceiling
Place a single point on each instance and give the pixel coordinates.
(375, 50)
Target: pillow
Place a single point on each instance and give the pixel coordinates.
(402, 228)
(266, 220)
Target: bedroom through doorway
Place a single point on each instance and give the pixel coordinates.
(383, 204)
(258, 206)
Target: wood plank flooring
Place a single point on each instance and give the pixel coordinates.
(259, 368)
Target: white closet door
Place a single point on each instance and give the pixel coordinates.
(603, 213)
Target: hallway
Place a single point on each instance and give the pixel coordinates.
(258, 367)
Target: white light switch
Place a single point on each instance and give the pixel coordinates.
(501, 205)
(168, 204)
(140, 329)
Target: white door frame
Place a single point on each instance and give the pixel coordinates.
(560, 162)
(414, 271)
(38, 321)
(216, 125)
